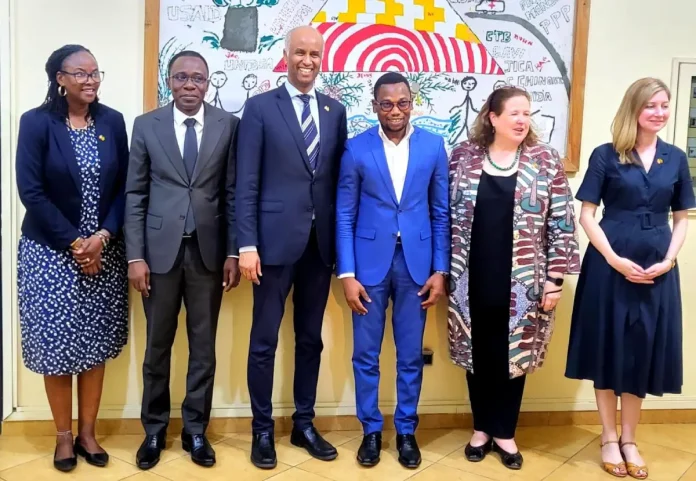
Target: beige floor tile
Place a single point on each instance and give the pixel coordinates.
(563, 441)
(581, 472)
(664, 464)
(537, 465)
(125, 447)
(42, 470)
(690, 474)
(296, 474)
(338, 438)
(232, 463)
(346, 468)
(434, 444)
(676, 436)
(145, 477)
(440, 472)
(16, 450)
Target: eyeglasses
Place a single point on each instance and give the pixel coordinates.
(388, 106)
(81, 77)
(181, 79)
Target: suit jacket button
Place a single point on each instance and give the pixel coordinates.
(182, 217)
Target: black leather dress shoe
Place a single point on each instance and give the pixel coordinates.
(149, 452)
(202, 452)
(368, 454)
(476, 454)
(509, 460)
(263, 454)
(95, 459)
(310, 439)
(66, 464)
(409, 454)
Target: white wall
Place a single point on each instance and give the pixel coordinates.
(628, 39)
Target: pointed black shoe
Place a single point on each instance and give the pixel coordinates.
(409, 454)
(65, 465)
(149, 452)
(202, 452)
(476, 454)
(99, 460)
(263, 454)
(509, 460)
(368, 454)
(310, 439)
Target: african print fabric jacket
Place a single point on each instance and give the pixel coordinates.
(544, 240)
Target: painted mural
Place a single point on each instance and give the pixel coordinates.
(454, 52)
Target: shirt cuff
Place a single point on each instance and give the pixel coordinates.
(346, 274)
(136, 260)
(233, 256)
(247, 249)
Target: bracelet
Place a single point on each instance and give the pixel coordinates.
(558, 290)
(76, 243)
(672, 261)
(103, 237)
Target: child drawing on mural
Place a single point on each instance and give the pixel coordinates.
(466, 112)
(249, 83)
(218, 80)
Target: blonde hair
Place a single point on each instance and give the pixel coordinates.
(624, 127)
(482, 132)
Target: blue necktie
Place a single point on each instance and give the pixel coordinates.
(190, 155)
(309, 130)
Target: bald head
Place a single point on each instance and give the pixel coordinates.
(304, 47)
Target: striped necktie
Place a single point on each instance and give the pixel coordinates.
(309, 130)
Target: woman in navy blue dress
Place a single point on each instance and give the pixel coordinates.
(626, 332)
(72, 157)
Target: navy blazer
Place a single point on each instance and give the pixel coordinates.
(48, 177)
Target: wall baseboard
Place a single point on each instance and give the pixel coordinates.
(226, 425)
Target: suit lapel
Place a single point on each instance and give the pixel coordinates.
(60, 132)
(104, 144)
(288, 112)
(213, 129)
(167, 137)
(412, 161)
(381, 161)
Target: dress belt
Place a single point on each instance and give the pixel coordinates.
(647, 220)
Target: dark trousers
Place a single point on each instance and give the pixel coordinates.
(311, 280)
(495, 398)
(201, 291)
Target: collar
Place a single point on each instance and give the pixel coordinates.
(179, 116)
(292, 90)
(409, 132)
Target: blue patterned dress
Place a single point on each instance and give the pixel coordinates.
(72, 322)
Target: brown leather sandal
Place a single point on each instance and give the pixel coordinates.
(618, 470)
(635, 471)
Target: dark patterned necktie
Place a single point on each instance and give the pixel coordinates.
(310, 133)
(190, 155)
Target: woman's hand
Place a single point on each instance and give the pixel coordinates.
(89, 252)
(656, 270)
(550, 297)
(631, 271)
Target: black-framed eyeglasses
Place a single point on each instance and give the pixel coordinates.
(388, 106)
(81, 77)
(182, 79)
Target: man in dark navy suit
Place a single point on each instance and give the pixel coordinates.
(292, 139)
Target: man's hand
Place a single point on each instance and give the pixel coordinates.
(436, 285)
(550, 297)
(250, 265)
(353, 291)
(231, 274)
(139, 276)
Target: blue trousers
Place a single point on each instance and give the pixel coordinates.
(368, 331)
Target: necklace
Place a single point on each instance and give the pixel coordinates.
(504, 169)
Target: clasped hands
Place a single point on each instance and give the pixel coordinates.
(636, 274)
(87, 253)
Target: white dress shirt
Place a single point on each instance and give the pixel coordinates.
(397, 161)
(180, 127)
(298, 105)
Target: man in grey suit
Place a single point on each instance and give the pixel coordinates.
(181, 244)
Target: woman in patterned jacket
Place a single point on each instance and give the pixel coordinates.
(513, 240)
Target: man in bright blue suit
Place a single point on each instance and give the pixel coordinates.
(393, 241)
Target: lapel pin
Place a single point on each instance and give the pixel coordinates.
(326, 107)
(102, 138)
(659, 161)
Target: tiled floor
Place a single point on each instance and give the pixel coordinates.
(563, 453)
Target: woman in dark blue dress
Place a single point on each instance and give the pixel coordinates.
(72, 157)
(626, 332)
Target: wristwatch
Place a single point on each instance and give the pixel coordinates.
(443, 274)
(672, 261)
(557, 281)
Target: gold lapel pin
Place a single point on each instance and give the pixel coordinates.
(659, 161)
(102, 138)
(326, 107)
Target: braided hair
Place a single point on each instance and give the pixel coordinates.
(54, 102)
